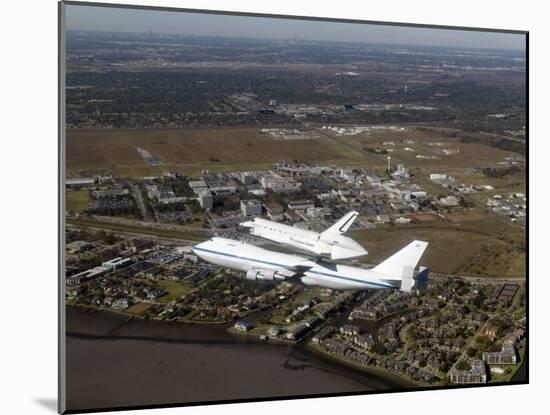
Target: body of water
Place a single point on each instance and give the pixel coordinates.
(113, 361)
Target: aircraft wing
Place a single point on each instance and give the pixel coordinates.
(300, 269)
(289, 273)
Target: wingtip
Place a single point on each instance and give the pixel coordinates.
(420, 244)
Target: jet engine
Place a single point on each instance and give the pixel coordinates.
(265, 274)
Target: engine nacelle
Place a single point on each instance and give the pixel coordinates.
(264, 274)
(251, 274)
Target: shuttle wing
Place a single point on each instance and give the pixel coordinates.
(345, 252)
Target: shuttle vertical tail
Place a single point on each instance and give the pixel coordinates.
(343, 224)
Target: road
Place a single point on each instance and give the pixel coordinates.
(144, 224)
(71, 226)
(145, 214)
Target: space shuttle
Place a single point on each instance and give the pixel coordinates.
(331, 243)
(397, 271)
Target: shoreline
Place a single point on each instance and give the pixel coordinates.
(236, 338)
(197, 363)
(248, 337)
(367, 369)
(190, 363)
(177, 328)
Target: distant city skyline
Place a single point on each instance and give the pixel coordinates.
(84, 17)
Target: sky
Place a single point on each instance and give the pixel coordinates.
(138, 20)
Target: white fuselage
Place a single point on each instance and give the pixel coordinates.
(333, 245)
(289, 235)
(244, 257)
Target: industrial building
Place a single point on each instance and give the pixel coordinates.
(506, 356)
(86, 275)
(251, 207)
(206, 200)
(79, 182)
(247, 178)
(476, 374)
(401, 173)
(300, 205)
(279, 184)
(198, 186)
(117, 263)
(349, 175)
(275, 211)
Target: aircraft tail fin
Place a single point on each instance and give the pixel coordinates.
(401, 265)
(421, 281)
(343, 224)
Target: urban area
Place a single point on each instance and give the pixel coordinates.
(425, 144)
(464, 329)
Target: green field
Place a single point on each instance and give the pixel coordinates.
(190, 151)
(469, 154)
(77, 200)
(509, 183)
(175, 290)
(467, 243)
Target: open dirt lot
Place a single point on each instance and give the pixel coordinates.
(427, 143)
(191, 150)
(139, 308)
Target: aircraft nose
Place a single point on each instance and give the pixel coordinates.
(196, 248)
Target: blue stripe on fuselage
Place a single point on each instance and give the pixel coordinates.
(286, 267)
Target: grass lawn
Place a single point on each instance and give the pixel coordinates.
(175, 289)
(471, 244)
(509, 183)
(191, 150)
(306, 295)
(77, 200)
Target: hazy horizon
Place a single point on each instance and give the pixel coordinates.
(125, 20)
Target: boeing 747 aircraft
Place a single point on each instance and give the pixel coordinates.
(261, 264)
(331, 243)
